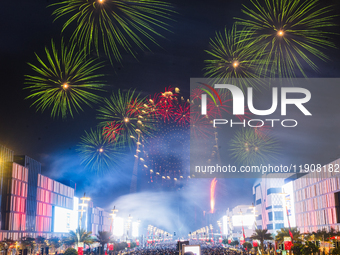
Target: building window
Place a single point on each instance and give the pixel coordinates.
(270, 226)
(278, 215)
(270, 216)
(259, 217)
(279, 226)
(258, 201)
(274, 191)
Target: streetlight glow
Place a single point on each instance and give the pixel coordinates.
(280, 33)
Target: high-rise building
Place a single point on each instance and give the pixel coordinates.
(34, 169)
(269, 202)
(98, 219)
(317, 199)
(6, 155)
(36, 205)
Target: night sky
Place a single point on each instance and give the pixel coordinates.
(27, 27)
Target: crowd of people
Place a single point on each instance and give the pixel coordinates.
(170, 249)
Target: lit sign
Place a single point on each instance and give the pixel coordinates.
(135, 230)
(243, 220)
(289, 207)
(225, 225)
(195, 249)
(66, 220)
(118, 226)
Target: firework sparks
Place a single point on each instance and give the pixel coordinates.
(128, 115)
(288, 31)
(64, 81)
(233, 56)
(98, 153)
(247, 148)
(182, 115)
(113, 25)
(212, 195)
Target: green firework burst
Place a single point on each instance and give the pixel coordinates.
(97, 153)
(289, 33)
(115, 25)
(248, 148)
(64, 81)
(129, 115)
(233, 56)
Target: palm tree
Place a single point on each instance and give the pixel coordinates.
(284, 232)
(55, 243)
(103, 238)
(261, 234)
(80, 236)
(41, 242)
(28, 242)
(322, 235)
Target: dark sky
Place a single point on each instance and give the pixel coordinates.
(27, 27)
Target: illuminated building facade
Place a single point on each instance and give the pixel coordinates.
(317, 200)
(33, 204)
(240, 218)
(309, 202)
(6, 155)
(269, 203)
(98, 219)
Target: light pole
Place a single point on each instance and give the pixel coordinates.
(113, 216)
(220, 225)
(82, 205)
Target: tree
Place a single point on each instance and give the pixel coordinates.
(28, 242)
(284, 232)
(247, 245)
(336, 251)
(71, 251)
(103, 238)
(262, 235)
(235, 242)
(41, 242)
(309, 248)
(225, 241)
(80, 236)
(323, 235)
(296, 249)
(55, 243)
(120, 246)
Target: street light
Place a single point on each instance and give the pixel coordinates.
(83, 204)
(113, 216)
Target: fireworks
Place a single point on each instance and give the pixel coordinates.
(233, 56)
(114, 25)
(64, 81)
(98, 153)
(247, 148)
(288, 33)
(182, 115)
(212, 195)
(127, 115)
(167, 155)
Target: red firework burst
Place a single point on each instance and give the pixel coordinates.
(200, 126)
(111, 131)
(182, 114)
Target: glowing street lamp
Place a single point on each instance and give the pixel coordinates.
(83, 205)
